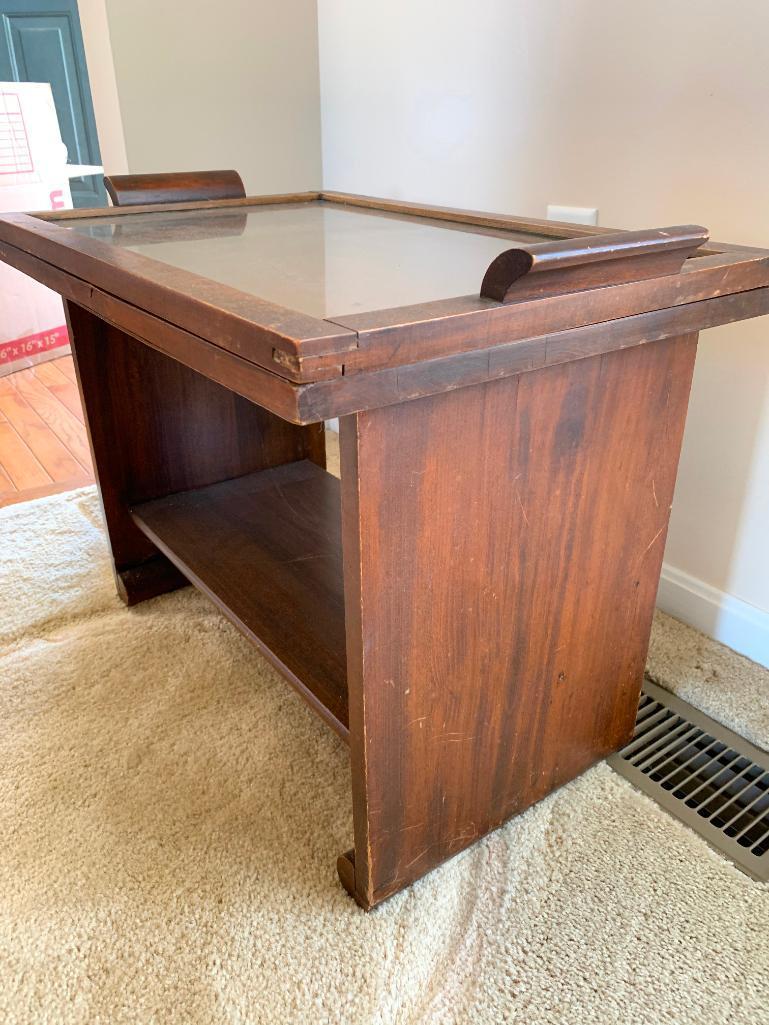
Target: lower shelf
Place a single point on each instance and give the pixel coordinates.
(267, 549)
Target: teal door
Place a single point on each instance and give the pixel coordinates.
(42, 42)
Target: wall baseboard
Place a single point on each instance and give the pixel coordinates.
(733, 622)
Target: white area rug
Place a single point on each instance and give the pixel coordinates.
(170, 816)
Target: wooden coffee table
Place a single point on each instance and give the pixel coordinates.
(471, 607)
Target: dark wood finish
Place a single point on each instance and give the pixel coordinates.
(739, 284)
(239, 375)
(177, 187)
(575, 265)
(508, 467)
(472, 218)
(117, 213)
(304, 349)
(243, 324)
(156, 428)
(502, 552)
(153, 576)
(354, 392)
(392, 337)
(267, 549)
(357, 392)
(482, 218)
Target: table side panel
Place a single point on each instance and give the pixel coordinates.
(503, 545)
(156, 427)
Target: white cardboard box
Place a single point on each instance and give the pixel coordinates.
(34, 175)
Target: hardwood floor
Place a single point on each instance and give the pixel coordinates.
(43, 444)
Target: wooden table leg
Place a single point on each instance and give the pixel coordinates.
(155, 428)
(502, 546)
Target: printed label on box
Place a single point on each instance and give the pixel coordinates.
(33, 176)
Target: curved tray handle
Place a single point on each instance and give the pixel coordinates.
(594, 261)
(180, 187)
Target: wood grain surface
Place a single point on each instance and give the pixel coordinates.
(502, 546)
(354, 392)
(507, 474)
(305, 349)
(43, 443)
(739, 290)
(597, 261)
(156, 427)
(175, 187)
(266, 547)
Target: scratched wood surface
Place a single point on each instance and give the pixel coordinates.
(503, 545)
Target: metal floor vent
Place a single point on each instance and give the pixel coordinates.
(703, 774)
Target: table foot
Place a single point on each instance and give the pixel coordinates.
(345, 866)
(148, 580)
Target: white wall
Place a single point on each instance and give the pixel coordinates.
(654, 112)
(230, 84)
(101, 75)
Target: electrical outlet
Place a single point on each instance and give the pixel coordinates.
(573, 214)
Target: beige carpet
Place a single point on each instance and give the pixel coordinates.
(170, 816)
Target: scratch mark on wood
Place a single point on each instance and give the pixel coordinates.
(653, 540)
